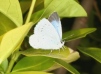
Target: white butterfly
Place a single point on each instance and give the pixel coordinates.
(47, 34)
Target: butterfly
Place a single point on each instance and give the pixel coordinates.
(47, 34)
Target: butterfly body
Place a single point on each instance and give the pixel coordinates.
(47, 34)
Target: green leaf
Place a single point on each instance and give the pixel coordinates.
(65, 8)
(39, 5)
(37, 16)
(1, 38)
(71, 57)
(76, 34)
(66, 54)
(61, 53)
(29, 72)
(67, 66)
(25, 5)
(12, 39)
(92, 52)
(5, 24)
(11, 9)
(4, 65)
(34, 63)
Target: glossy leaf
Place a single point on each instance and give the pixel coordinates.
(25, 5)
(5, 24)
(66, 54)
(76, 34)
(67, 66)
(12, 39)
(92, 52)
(34, 63)
(4, 65)
(70, 58)
(1, 38)
(65, 8)
(39, 5)
(29, 72)
(11, 9)
(62, 53)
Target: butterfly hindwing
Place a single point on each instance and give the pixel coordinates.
(47, 33)
(45, 36)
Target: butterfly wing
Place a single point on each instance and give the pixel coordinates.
(45, 36)
(55, 21)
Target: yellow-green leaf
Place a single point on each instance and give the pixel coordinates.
(5, 24)
(33, 63)
(29, 72)
(11, 9)
(67, 66)
(66, 54)
(12, 39)
(92, 52)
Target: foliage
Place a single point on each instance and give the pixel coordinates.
(15, 53)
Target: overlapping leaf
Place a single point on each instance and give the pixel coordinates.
(67, 66)
(12, 39)
(65, 8)
(11, 9)
(34, 63)
(75, 34)
(29, 72)
(92, 52)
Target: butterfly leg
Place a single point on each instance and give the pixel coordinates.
(50, 52)
(59, 50)
(63, 48)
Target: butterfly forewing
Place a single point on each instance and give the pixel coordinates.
(55, 21)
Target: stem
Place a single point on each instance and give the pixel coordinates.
(10, 66)
(30, 11)
(12, 61)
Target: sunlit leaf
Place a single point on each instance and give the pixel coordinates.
(61, 53)
(67, 66)
(34, 63)
(12, 39)
(92, 52)
(5, 24)
(1, 38)
(65, 8)
(11, 9)
(29, 72)
(39, 5)
(25, 5)
(4, 65)
(76, 34)
(66, 54)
